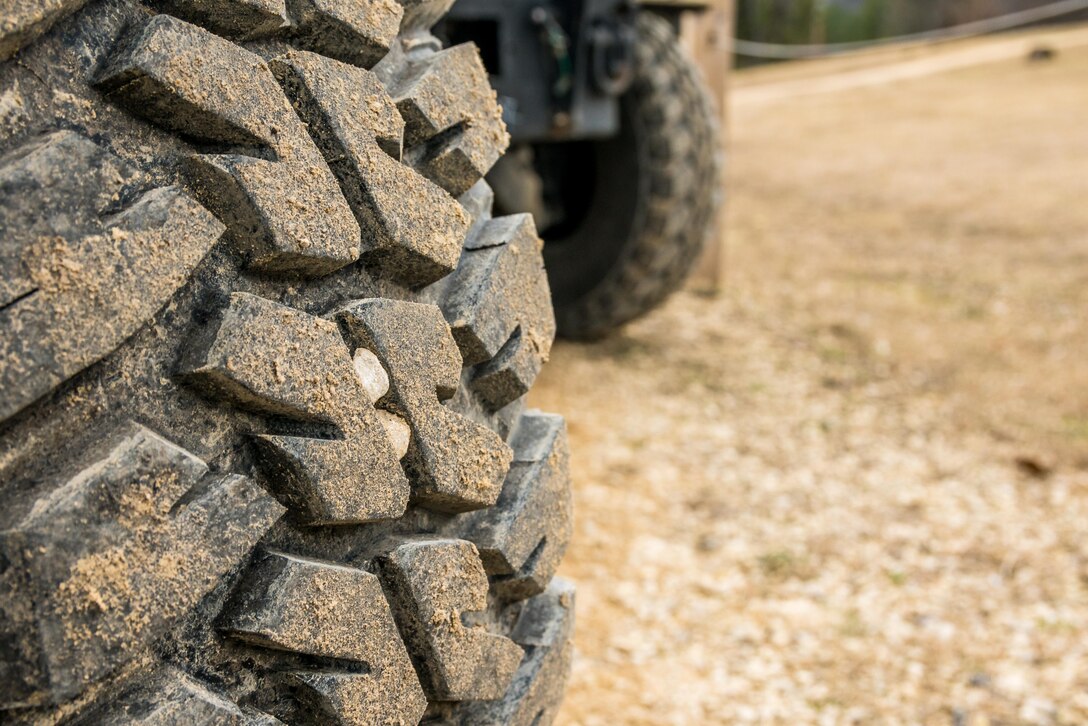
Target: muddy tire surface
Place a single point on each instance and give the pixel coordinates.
(264, 454)
(645, 199)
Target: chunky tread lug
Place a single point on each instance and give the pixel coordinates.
(110, 559)
(262, 356)
(414, 343)
(233, 405)
(79, 276)
(543, 629)
(508, 343)
(432, 585)
(523, 537)
(359, 32)
(332, 612)
(412, 228)
(25, 20)
(189, 80)
(173, 699)
(454, 127)
(235, 19)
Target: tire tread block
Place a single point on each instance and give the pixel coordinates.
(523, 537)
(359, 32)
(455, 464)
(275, 360)
(108, 561)
(544, 629)
(454, 126)
(330, 611)
(287, 215)
(173, 699)
(500, 309)
(412, 229)
(235, 19)
(25, 20)
(431, 585)
(80, 277)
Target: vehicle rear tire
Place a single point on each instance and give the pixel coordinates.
(626, 218)
(263, 445)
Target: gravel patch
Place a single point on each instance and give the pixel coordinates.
(854, 487)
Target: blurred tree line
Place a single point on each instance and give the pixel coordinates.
(841, 21)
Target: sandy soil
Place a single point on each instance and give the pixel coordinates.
(854, 487)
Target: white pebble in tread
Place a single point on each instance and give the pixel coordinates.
(376, 383)
(371, 373)
(398, 431)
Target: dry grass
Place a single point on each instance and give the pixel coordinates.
(944, 224)
(854, 488)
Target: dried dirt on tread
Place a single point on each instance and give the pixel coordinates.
(854, 487)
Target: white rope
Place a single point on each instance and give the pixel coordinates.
(778, 51)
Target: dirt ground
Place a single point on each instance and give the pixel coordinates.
(853, 488)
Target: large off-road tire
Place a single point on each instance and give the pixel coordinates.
(627, 217)
(263, 452)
